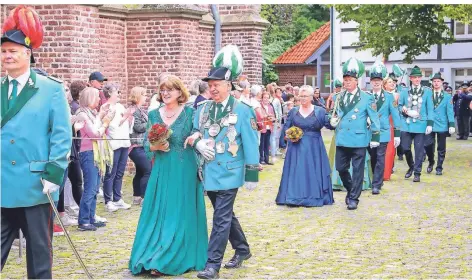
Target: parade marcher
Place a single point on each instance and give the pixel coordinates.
(35, 140)
(443, 124)
(386, 108)
(171, 237)
(416, 103)
(352, 132)
(462, 112)
(226, 138)
(337, 89)
(306, 175)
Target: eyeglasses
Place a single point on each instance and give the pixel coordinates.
(304, 96)
(166, 91)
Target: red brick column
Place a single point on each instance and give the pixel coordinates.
(243, 26)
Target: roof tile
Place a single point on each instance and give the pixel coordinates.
(306, 47)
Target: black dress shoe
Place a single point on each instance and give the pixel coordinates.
(430, 168)
(237, 260)
(269, 163)
(352, 205)
(208, 273)
(417, 178)
(409, 173)
(438, 172)
(375, 190)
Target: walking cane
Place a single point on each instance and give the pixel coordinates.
(53, 205)
(20, 250)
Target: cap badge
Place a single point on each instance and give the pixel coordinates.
(227, 75)
(27, 41)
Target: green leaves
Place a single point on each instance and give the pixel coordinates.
(411, 29)
(289, 25)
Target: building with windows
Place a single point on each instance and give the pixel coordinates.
(454, 61)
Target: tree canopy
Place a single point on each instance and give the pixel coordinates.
(290, 24)
(411, 28)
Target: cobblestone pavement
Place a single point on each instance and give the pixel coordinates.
(411, 230)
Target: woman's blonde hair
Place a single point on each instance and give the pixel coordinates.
(173, 82)
(385, 81)
(135, 94)
(88, 96)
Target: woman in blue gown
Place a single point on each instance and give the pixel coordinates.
(306, 177)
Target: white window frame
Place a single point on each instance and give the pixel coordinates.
(305, 80)
(467, 31)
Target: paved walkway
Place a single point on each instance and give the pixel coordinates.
(411, 230)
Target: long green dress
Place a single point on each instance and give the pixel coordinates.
(336, 180)
(172, 232)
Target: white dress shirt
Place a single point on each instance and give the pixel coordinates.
(224, 105)
(22, 80)
(350, 96)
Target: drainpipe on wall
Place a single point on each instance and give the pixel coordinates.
(216, 17)
(331, 48)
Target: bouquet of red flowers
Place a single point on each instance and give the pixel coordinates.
(159, 133)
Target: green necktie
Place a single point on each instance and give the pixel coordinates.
(14, 93)
(219, 110)
(376, 97)
(415, 91)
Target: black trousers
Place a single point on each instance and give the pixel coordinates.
(36, 223)
(377, 162)
(463, 125)
(225, 227)
(430, 143)
(344, 156)
(76, 179)
(264, 147)
(418, 140)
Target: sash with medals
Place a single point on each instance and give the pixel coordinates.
(415, 101)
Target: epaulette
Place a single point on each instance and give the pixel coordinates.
(202, 102)
(55, 79)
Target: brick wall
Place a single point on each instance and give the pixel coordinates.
(249, 43)
(238, 9)
(134, 50)
(112, 58)
(295, 74)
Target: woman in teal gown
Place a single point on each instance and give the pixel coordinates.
(335, 179)
(171, 237)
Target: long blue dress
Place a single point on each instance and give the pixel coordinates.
(306, 177)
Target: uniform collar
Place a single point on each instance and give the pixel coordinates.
(22, 79)
(225, 101)
(353, 92)
(379, 92)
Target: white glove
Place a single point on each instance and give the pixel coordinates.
(374, 144)
(49, 187)
(396, 141)
(206, 151)
(191, 139)
(429, 129)
(412, 113)
(250, 185)
(452, 130)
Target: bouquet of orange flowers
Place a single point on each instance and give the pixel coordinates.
(159, 133)
(294, 134)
